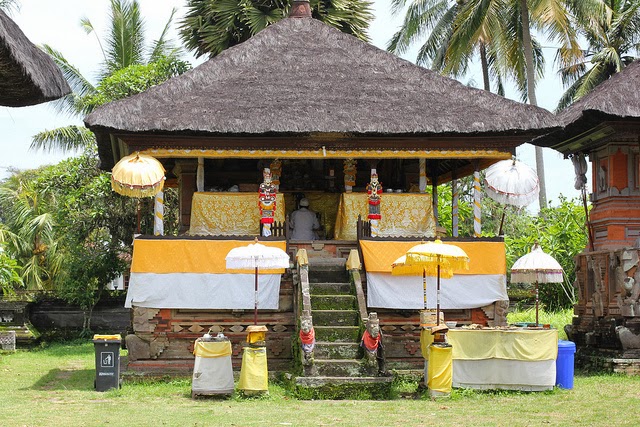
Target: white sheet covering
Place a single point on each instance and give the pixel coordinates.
(460, 291)
(212, 375)
(202, 291)
(504, 374)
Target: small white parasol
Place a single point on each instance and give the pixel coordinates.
(255, 256)
(536, 267)
(510, 182)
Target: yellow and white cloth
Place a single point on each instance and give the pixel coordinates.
(192, 274)
(504, 359)
(212, 368)
(483, 284)
(229, 214)
(402, 215)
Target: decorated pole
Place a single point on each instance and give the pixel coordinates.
(374, 195)
(350, 170)
(454, 207)
(158, 216)
(200, 174)
(422, 183)
(477, 210)
(267, 202)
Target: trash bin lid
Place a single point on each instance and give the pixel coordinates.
(108, 337)
(567, 345)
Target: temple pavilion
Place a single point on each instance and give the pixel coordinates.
(321, 109)
(603, 128)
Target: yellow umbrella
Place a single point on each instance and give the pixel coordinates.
(432, 259)
(137, 175)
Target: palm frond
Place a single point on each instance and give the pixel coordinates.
(65, 139)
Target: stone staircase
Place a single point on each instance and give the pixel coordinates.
(336, 320)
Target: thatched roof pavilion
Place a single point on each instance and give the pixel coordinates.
(611, 107)
(302, 89)
(28, 75)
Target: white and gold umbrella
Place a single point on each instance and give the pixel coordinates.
(253, 257)
(536, 267)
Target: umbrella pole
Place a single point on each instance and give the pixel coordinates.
(424, 287)
(255, 300)
(504, 211)
(438, 299)
(138, 209)
(536, 303)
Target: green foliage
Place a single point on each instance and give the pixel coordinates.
(561, 233)
(9, 272)
(135, 79)
(211, 26)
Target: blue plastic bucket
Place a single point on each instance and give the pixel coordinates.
(564, 364)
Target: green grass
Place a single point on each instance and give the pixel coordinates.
(557, 319)
(53, 386)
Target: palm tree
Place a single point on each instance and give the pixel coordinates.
(8, 5)
(123, 47)
(211, 26)
(612, 31)
(31, 241)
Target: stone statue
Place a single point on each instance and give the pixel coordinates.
(373, 348)
(307, 338)
(350, 170)
(627, 279)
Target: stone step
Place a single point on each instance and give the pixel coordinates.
(331, 288)
(328, 270)
(336, 350)
(335, 317)
(333, 388)
(345, 334)
(333, 302)
(339, 367)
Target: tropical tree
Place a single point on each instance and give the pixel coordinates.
(29, 231)
(9, 272)
(612, 32)
(124, 46)
(211, 26)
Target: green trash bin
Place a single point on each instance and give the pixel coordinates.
(107, 348)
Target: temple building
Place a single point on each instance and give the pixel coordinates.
(604, 127)
(318, 114)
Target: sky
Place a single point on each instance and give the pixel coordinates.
(57, 23)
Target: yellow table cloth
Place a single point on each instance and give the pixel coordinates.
(520, 344)
(229, 214)
(211, 349)
(406, 214)
(212, 368)
(440, 369)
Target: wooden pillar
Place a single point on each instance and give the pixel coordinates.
(185, 171)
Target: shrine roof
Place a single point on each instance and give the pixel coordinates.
(301, 76)
(28, 75)
(616, 99)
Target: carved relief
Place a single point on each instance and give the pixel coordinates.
(627, 280)
(142, 319)
(597, 298)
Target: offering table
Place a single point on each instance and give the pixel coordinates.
(510, 359)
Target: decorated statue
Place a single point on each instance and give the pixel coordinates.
(374, 195)
(307, 338)
(349, 174)
(372, 344)
(276, 171)
(267, 202)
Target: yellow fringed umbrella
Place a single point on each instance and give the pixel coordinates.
(137, 175)
(431, 259)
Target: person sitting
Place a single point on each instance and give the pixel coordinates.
(304, 222)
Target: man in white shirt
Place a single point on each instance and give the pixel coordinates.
(304, 222)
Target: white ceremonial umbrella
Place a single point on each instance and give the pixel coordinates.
(536, 267)
(255, 256)
(511, 182)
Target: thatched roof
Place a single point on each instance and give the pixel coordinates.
(617, 99)
(28, 75)
(302, 76)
